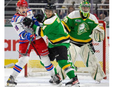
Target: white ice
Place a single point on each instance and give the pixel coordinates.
(43, 81)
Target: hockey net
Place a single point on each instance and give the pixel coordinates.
(33, 68)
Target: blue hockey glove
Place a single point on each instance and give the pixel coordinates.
(28, 36)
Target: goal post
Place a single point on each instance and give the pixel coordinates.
(104, 47)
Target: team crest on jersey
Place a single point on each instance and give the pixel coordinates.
(82, 28)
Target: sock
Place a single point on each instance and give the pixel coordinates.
(16, 70)
(50, 69)
(45, 61)
(54, 68)
(19, 66)
(67, 68)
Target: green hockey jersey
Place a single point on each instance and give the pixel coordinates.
(80, 29)
(55, 31)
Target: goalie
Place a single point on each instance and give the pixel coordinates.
(83, 28)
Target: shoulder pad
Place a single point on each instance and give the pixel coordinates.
(29, 13)
(29, 10)
(92, 17)
(50, 20)
(74, 14)
(16, 18)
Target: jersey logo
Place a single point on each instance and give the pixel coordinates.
(65, 19)
(90, 22)
(16, 28)
(82, 28)
(77, 20)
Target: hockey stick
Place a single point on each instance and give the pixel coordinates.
(35, 50)
(9, 65)
(25, 54)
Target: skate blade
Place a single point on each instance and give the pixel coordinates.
(76, 85)
(56, 83)
(60, 84)
(63, 85)
(10, 85)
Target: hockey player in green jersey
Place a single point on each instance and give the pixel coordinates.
(58, 41)
(83, 28)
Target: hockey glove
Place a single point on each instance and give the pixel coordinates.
(28, 36)
(39, 18)
(28, 22)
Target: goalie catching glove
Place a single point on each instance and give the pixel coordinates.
(98, 34)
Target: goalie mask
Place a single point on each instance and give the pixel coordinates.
(85, 8)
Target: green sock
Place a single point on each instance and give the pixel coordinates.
(63, 63)
(71, 74)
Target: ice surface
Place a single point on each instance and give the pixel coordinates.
(43, 81)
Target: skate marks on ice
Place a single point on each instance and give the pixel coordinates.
(43, 81)
(87, 85)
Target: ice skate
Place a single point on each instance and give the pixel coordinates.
(74, 82)
(11, 82)
(55, 79)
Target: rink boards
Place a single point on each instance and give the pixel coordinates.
(11, 47)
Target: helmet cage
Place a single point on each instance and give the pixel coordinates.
(85, 4)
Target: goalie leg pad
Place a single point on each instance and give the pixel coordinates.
(87, 54)
(74, 51)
